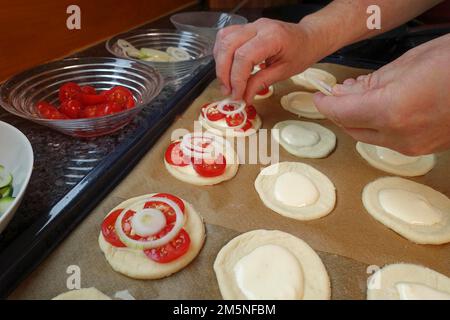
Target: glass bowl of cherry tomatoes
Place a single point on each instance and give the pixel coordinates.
(82, 97)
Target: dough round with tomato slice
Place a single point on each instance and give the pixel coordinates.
(200, 173)
(222, 125)
(135, 263)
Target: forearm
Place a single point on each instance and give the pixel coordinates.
(343, 22)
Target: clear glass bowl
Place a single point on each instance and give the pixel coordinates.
(205, 22)
(198, 47)
(20, 94)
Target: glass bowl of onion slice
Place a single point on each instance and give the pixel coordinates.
(36, 94)
(175, 54)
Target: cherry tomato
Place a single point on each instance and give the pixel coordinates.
(234, 120)
(103, 110)
(48, 111)
(263, 92)
(171, 251)
(213, 114)
(122, 96)
(175, 156)
(88, 90)
(115, 107)
(71, 108)
(69, 91)
(92, 99)
(109, 229)
(210, 167)
(89, 112)
(251, 112)
(169, 213)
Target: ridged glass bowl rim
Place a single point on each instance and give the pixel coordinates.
(174, 17)
(206, 41)
(49, 66)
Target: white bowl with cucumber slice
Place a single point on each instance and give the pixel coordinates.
(16, 165)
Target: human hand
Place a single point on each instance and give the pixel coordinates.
(404, 106)
(287, 49)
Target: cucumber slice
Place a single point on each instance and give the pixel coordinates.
(5, 180)
(6, 192)
(5, 203)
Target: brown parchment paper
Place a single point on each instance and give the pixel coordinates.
(348, 240)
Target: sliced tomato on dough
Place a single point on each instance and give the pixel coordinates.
(263, 92)
(175, 156)
(168, 211)
(234, 120)
(176, 248)
(109, 229)
(212, 113)
(210, 167)
(251, 112)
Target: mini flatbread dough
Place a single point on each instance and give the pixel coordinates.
(437, 233)
(301, 79)
(83, 294)
(316, 283)
(135, 264)
(189, 175)
(227, 131)
(265, 186)
(301, 103)
(265, 96)
(324, 140)
(382, 284)
(399, 165)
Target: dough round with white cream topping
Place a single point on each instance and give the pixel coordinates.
(83, 294)
(135, 264)
(305, 139)
(394, 162)
(291, 270)
(403, 281)
(413, 210)
(296, 190)
(302, 104)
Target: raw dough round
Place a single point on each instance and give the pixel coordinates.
(382, 284)
(313, 141)
(189, 175)
(397, 163)
(437, 233)
(326, 193)
(301, 103)
(316, 283)
(228, 132)
(82, 294)
(315, 73)
(135, 264)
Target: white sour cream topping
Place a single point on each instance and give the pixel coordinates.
(408, 206)
(299, 136)
(270, 272)
(394, 157)
(147, 222)
(295, 189)
(416, 291)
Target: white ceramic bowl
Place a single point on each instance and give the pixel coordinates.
(16, 155)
